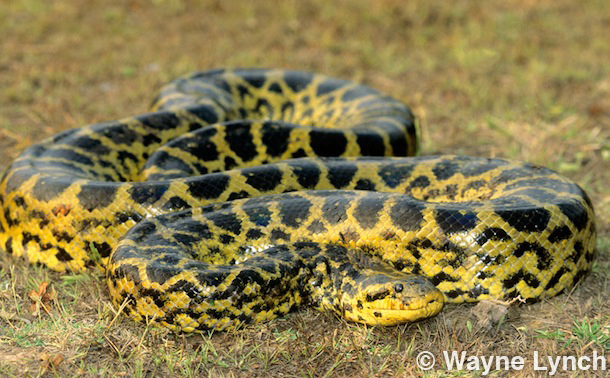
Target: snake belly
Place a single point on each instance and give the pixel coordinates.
(243, 196)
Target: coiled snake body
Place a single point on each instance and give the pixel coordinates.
(243, 196)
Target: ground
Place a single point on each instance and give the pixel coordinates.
(520, 79)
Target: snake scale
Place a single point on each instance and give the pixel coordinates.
(245, 194)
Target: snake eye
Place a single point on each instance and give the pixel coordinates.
(398, 288)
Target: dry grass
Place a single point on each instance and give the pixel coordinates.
(521, 79)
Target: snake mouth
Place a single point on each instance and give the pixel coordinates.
(393, 311)
(395, 316)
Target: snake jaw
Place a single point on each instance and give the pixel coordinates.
(383, 304)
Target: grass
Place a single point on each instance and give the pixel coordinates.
(521, 79)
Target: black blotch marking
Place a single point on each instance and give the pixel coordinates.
(160, 120)
(199, 144)
(407, 215)
(560, 233)
(90, 145)
(189, 226)
(294, 211)
(125, 216)
(442, 277)
(399, 142)
(452, 221)
(325, 142)
(255, 80)
(492, 233)
(394, 174)
(299, 153)
(307, 173)
(254, 234)
(335, 208)
(161, 270)
(208, 187)
(243, 91)
(275, 137)
(445, 169)
(118, 133)
(419, 182)
(240, 139)
(102, 248)
(226, 239)
(246, 277)
(544, 257)
(365, 184)
(531, 220)
(63, 255)
(175, 203)
(263, 178)
(183, 286)
(98, 196)
(150, 139)
(141, 231)
(475, 185)
(275, 87)
(577, 253)
(530, 279)
(262, 103)
(20, 202)
(316, 227)
(367, 211)
(8, 246)
(185, 239)
(204, 112)
(147, 194)
(297, 81)
(287, 110)
(341, 175)
(124, 156)
(556, 277)
(277, 234)
(259, 215)
(576, 213)
(238, 195)
(48, 188)
(377, 296)
(226, 220)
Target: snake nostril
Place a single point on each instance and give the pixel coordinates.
(398, 288)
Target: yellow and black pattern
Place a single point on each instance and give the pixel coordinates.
(241, 197)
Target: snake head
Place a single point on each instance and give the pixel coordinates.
(390, 299)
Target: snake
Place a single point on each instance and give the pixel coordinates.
(245, 194)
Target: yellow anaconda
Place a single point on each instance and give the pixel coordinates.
(247, 193)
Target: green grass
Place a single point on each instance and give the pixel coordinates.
(526, 80)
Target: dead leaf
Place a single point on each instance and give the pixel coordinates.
(51, 361)
(43, 298)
